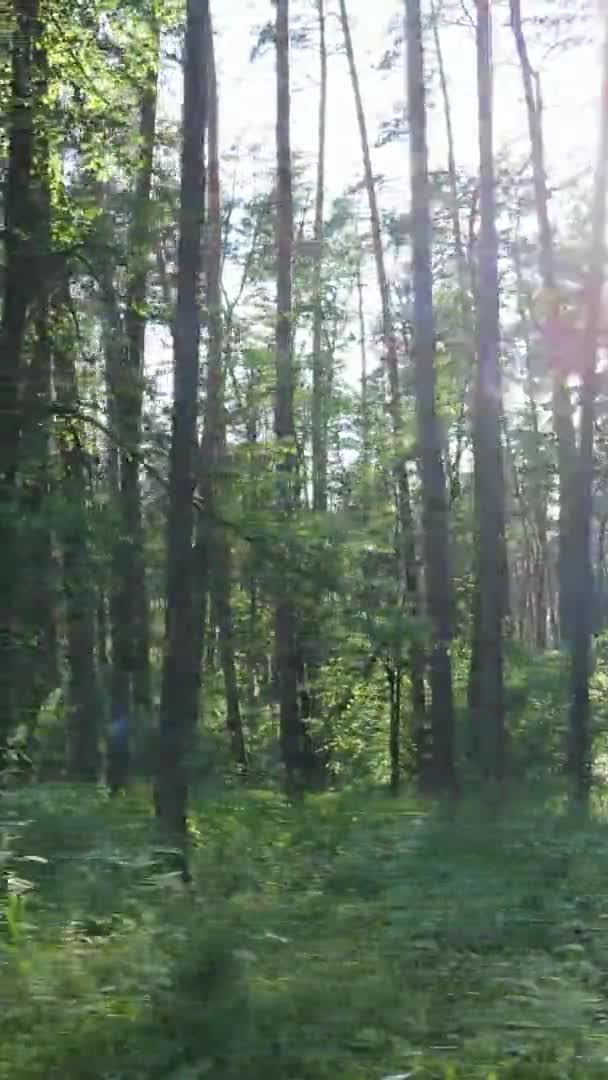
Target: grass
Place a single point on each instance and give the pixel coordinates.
(354, 938)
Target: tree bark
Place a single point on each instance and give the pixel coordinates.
(434, 501)
(580, 743)
(488, 452)
(20, 220)
(181, 677)
(563, 423)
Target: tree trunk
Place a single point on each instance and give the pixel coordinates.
(488, 455)
(78, 574)
(580, 748)
(213, 445)
(181, 677)
(295, 747)
(131, 402)
(319, 373)
(21, 255)
(562, 407)
(434, 502)
(407, 550)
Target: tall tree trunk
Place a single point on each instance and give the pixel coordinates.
(580, 748)
(181, 677)
(319, 373)
(489, 509)
(213, 444)
(78, 574)
(407, 550)
(434, 501)
(132, 399)
(562, 407)
(21, 255)
(293, 736)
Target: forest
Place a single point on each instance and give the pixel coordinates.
(303, 540)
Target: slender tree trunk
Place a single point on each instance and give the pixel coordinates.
(293, 736)
(181, 677)
(562, 407)
(213, 445)
(139, 241)
(580, 747)
(407, 550)
(319, 374)
(435, 511)
(20, 243)
(488, 455)
(393, 675)
(78, 575)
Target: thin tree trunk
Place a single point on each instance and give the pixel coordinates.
(488, 456)
(213, 444)
(78, 575)
(562, 407)
(319, 374)
(407, 550)
(20, 242)
(434, 501)
(295, 747)
(181, 677)
(132, 399)
(580, 748)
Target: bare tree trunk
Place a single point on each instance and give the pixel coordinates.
(132, 402)
(562, 407)
(488, 454)
(580, 745)
(213, 444)
(181, 677)
(294, 743)
(79, 578)
(20, 241)
(319, 373)
(407, 550)
(435, 512)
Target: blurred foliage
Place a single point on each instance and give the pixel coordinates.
(352, 937)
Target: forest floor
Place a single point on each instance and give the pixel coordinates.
(354, 938)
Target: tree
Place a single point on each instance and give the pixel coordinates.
(407, 551)
(22, 264)
(489, 481)
(562, 406)
(435, 516)
(580, 744)
(319, 373)
(181, 677)
(293, 735)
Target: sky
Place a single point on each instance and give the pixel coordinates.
(570, 80)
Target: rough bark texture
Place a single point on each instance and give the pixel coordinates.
(580, 744)
(489, 481)
(434, 501)
(180, 681)
(562, 406)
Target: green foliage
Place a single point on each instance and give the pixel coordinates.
(353, 937)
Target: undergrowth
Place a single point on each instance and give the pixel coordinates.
(352, 938)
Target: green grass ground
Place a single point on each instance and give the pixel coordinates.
(353, 938)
